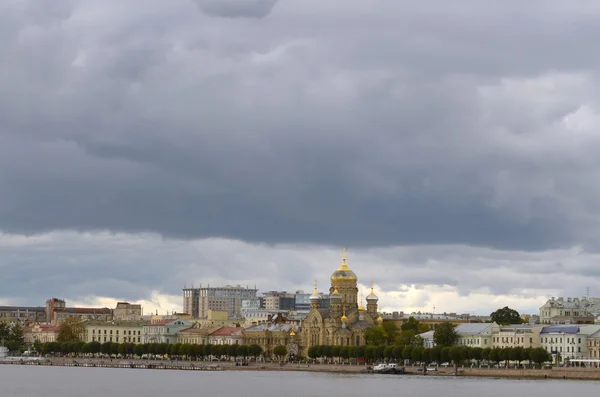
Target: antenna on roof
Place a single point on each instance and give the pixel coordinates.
(587, 293)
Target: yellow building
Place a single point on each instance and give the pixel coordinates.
(269, 336)
(196, 335)
(42, 333)
(113, 331)
(344, 322)
(215, 318)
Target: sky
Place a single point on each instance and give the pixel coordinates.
(450, 146)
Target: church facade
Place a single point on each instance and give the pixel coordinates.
(345, 321)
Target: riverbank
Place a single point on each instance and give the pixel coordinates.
(554, 373)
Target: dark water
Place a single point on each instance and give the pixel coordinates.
(19, 381)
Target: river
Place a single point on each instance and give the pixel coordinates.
(33, 381)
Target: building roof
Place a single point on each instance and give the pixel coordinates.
(119, 323)
(270, 327)
(560, 329)
(43, 328)
(473, 328)
(427, 335)
(22, 308)
(84, 310)
(199, 331)
(226, 331)
(162, 322)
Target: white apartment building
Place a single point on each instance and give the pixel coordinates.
(522, 335)
(567, 341)
(569, 310)
(164, 331)
(476, 334)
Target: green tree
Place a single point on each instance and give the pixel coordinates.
(16, 338)
(506, 316)
(232, 351)
(379, 352)
(370, 352)
(335, 351)
(255, 350)
(417, 353)
(391, 332)
(411, 324)
(435, 354)
(313, 352)
(398, 353)
(445, 355)
(375, 336)
(455, 354)
(4, 331)
(71, 330)
(388, 353)
(485, 354)
(280, 352)
(445, 335)
(407, 352)
(242, 351)
(138, 350)
(494, 355)
(344, 352)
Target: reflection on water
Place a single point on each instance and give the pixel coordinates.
(28, 381)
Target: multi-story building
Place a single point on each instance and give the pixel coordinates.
(22, 314)
(518, 335)
(593, 345)
(164, 331)
(113, 331)
(269, 336)
(252, 304)
(126, 311)
(198, 301)
(215, 319)
(570, 310)
(256, 317)
(567, 341)
(226, 336)
(57, 312)
(279, 300)
(42, 333)
(195, 335)
(302, 302)
(476, 334)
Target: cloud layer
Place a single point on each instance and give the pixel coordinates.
(369, 124)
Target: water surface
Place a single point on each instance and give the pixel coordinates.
(33, 381)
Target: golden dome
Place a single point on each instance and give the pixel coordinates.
(344, 273)
(292, 333)
(344, 318)
(379, 319)
(361, 307)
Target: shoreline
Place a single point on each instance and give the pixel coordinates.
(554, 373)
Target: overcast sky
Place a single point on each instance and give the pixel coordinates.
(452, 146)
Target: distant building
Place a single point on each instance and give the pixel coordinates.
(226, 336)
(215, 318)
(568, 341)
(476, 334)
(42, 333)
(113, 331)
(198, 301)
(279, 300)
(22, 314)
(126, 311)
(164, 331)
(195, 335)
(302, 302)
(57, 312)
(517, 335)
(251, 304)
(570, 310)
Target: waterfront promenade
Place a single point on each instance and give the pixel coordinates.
(554, 373)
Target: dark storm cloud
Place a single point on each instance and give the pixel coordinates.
(363, 124)
(236, 8)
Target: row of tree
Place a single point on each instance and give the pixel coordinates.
(12, 337)
(160, 349)
(455, 354)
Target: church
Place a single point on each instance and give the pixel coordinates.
(345, 321)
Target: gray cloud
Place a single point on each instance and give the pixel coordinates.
(236, 8)
(80, 266)
(372, 124)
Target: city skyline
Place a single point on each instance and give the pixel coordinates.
(146, 145)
